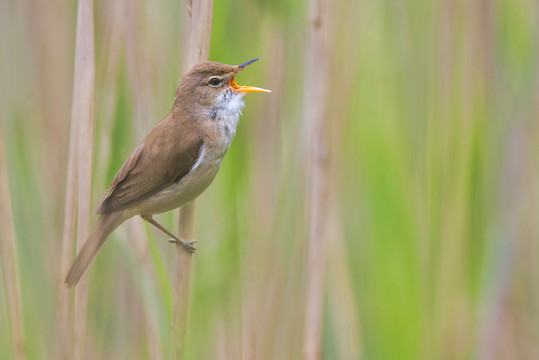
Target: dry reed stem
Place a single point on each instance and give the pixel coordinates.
(9, 261)
(180, 305)
(198, 34)
(63, 338)
(317, 173)
(199, 19)
(82, 113)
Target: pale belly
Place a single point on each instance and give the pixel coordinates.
(182, 192)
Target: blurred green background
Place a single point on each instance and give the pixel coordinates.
(433, 221)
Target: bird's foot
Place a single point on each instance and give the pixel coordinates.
(187, 244)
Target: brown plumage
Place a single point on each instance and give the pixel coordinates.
(176, 161)
(142, 176)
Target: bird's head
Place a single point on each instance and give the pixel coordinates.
(213, 86)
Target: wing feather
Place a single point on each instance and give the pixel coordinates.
(164, 157)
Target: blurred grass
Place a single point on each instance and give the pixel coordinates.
(433, 130)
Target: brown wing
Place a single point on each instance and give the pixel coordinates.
(164, 157)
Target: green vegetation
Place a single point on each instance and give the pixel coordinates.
(433, 217)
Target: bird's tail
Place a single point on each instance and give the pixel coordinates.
(104, 227)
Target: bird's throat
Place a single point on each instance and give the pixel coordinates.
(225, 115)
(227, 107)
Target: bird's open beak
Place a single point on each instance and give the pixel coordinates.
(245, 89)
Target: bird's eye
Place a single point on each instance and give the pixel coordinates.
(214, 81)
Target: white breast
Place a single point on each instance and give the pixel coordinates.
(226, 114)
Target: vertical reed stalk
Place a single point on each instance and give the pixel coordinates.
(63, 338)
(82, 114)
(317, 173)
(198, 34)
(8, 255)
(182, 273)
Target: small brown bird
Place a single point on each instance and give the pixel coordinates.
(176, 161)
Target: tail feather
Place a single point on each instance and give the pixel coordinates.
(104, 227)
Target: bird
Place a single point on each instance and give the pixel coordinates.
(176, 161)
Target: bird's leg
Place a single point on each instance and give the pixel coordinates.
(188, 245)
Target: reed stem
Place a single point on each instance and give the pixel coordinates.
(197, 34)
(317, 173)
(82, 114)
